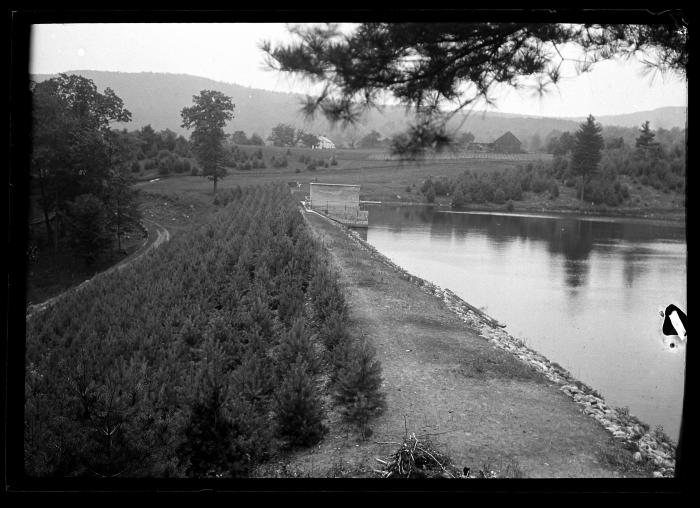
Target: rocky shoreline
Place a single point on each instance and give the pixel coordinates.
(650, 445)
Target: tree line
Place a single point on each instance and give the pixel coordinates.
(203, 358)
(585, 161)
(80, 168)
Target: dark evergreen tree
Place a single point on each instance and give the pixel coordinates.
(358, 387)
(298, 408)
(646, 147)
(297, 344)
(206, 448)
(586, 154)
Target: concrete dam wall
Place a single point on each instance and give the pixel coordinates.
(338, 201)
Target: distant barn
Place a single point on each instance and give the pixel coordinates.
(340, 202)
(507, 143)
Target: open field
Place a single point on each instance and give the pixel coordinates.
(393, 182)
(380, 180)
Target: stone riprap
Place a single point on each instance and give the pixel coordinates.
(652, 445)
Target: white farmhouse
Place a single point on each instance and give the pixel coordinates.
(323, 142)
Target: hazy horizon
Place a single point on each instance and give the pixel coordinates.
(230, 53)
(496, 111)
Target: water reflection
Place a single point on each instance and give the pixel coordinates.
(571, 238)
(584, 292)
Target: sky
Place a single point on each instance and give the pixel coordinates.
(230, 53)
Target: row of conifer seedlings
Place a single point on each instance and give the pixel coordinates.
(203, 359)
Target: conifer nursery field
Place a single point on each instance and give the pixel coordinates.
(203, 359)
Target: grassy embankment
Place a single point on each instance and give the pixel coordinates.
(57, 271)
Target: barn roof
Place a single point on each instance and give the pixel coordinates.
(508, 137)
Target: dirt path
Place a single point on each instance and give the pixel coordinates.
(157, 235)
(479, 403)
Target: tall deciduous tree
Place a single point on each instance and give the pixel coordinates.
(587, 149)
(284, 134)
(208, 117)
(438, 69)
(240, 138)
(370, 140)
(309, 140)
(71, 140)
(255, 139)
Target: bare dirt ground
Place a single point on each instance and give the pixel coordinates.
(479, 404)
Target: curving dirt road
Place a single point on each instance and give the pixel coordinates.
(157, 235)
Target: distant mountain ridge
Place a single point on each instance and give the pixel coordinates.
(158, 98)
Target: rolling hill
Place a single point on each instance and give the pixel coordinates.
(158, 98)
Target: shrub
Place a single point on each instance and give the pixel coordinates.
(298, 409)
(297, 343)
(430, 194)
(539, 184)
(357, 388)
(458, 198)
(553, 190)
(499, 196)
(135, 167)
(220, 442)
(333, 331)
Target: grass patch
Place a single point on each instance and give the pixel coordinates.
(340, 468)
(620, 455)
(493, 363)
(509, 468)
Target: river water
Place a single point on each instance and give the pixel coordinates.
(585, 292)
